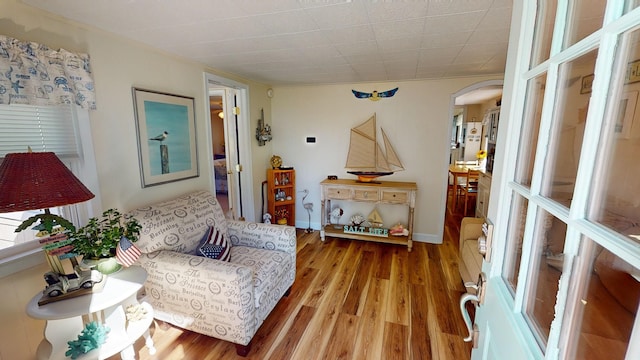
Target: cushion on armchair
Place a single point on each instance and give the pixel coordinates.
(214, 245)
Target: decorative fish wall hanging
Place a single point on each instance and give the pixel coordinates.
(375, 95)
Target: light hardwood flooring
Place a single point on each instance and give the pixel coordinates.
(351, 300)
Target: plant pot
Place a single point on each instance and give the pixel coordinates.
(282, 221)
(106, 266)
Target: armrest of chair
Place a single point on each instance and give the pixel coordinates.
(470, 228)
(263, 236)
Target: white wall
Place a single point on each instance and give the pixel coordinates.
(416, 120)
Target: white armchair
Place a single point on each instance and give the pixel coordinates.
(225, 300)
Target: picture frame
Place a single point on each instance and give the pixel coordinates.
(633, 72)
(166, 132)
(587, 83)
(625, 115)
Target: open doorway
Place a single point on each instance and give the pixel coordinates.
(229, 147)
(474, 120)
(219, 150)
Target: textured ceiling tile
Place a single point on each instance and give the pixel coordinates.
(267, 7)
(410, 56)
(339, 16)
(496, 18)
(449, 7)
(398, 29)
(321, 52)
(406, 43)
(363, 59)
(358, 48)
(292, 41)
(445, 24)
(396, 11)
(351, 34)
(489, 36)
(286, 22)
(474, 54)
(439, 56)
(439, 41)
(309, 38)
(376, 67)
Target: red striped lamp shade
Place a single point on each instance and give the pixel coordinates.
(38, 180)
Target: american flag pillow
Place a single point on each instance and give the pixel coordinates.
(214, 245)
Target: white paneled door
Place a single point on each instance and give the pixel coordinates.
(564, 278)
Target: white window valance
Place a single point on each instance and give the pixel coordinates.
(34, 74)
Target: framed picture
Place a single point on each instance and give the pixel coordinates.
(633, 72)
(587, 83)
(626, 113)
(166, 128)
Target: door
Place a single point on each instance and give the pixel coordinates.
(229, 147)
(564, 280)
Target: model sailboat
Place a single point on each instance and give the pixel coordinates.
(366, 158)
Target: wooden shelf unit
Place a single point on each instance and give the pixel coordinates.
(384, 192)
(281, 182)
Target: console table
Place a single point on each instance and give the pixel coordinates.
(383, 192)
(65, 318)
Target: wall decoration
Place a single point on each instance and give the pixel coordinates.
(263, 131)
(633, 72)
(375, 95)
(587, 83)
(626, 112)
(166, 128)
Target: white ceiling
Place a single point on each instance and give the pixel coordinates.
(479, 96)
(280, 42)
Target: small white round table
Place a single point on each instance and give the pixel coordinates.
(67, 318)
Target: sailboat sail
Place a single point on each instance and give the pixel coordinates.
(392, 157)
(366, 158)
(374, 218)
(360, 148)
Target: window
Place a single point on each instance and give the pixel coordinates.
(45, 128)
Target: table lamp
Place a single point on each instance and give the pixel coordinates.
(35, 181)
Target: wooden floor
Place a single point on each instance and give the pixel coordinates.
(351, 300)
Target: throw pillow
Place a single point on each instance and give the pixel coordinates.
(214, 245)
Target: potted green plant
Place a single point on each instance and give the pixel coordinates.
(97, 241)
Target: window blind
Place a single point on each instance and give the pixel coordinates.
(43, 128)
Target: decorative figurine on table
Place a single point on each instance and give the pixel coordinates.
(336, 213)
(398, 230)
(266, 218)
(92, 337)
(357, 220)
(282, 215)
(374, 219)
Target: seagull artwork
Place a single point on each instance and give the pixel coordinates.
(375, 95)
(160, 137)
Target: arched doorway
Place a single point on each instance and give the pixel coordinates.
(469, 132)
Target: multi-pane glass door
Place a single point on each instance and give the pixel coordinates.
(572, 252)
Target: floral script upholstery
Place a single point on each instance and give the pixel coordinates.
(225, 300)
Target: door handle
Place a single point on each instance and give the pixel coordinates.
(464, 299)
(477, 299)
